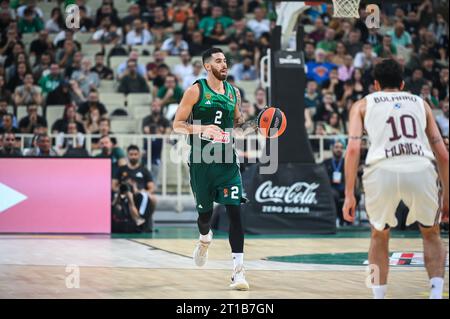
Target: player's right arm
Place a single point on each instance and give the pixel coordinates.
(441, 155)
(181, 124)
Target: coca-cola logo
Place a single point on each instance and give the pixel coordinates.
(298, 193)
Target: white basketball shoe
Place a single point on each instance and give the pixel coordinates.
(238, 281)
(201, 250)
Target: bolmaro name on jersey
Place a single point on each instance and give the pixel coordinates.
(404, 149)
(395, 98)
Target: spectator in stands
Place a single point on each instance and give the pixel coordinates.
(238, 31)
(328, 44)
(104, 72)
(27, 124)
(86, 22)
(425, 93)
(132, 81)
(170, 93)
(203, 10)
(148, 9)
(245, 70)
(399, 36)
(56, 22)
(339, 55)
(28, 93)
(70, 115)
(93, 103)
(333, 85)
(138, 35)
(415, 83)
(188, 29)
(185, 68)
(386, 49)
(345, 71)
(92, 121)
(217, 36)
(66, 93)
(162, 72)
(11, 47)
(234, 11)
(31, 5)
(86, 79)
(51, 81)
(430, 69)
(359, 87)
(319, 30)
(156, 123)
(19, 77)
(260, 24)
(65, 140)
(260, 100)
(64, 56)
(319, 69)
(116, 154)
(4, 110)
(326, 108)
(134, 12)
(198, 73)
(104, 128)
(334, 124)
(365, 59)
(107, 10)
(6, 9)
(7, 124)
(41, 45)
(320, 132)
(335, 168)
(30, 23)
(139, 183)
(354, 44)
(160, 26)
(175, 44)
(43, 147)
(442, 119)
(42, 67)
(442, 85)
(152, 67)
(11, 71)
(207, 24)
(179, 11)
(107, 32)
(197, 46)
(312, 96)
(5, 93)
(122, 68)
(9, 149)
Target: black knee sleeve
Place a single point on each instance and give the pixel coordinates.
(204, 222)
(236, 232)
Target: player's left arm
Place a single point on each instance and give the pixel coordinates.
(238, 116)
(352, 156)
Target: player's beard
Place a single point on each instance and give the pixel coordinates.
(218, 75)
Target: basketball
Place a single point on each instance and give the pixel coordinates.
(272, 122)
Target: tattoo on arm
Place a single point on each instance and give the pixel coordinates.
(435, 140)
(240, 120)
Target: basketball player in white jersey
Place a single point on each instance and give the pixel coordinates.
(405, 141)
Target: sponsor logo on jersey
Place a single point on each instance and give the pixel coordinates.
(139, 174)
(208, 102)
(397, 106)
(225, 192)
(208, 96)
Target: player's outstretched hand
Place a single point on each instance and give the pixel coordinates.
(212, 131)
(349, 208)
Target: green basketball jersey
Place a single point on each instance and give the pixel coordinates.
(217, 109)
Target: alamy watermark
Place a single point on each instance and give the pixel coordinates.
(72, 12)
(72, 280)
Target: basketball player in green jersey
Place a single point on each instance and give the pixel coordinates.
(208, 112)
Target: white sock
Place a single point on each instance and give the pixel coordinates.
(379, 291)
(206, 238)
(437, 286)
(238, 259)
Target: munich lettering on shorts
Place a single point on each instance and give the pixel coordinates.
(394, 98)
(404, 149)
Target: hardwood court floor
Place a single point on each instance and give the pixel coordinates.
(35, 267)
